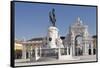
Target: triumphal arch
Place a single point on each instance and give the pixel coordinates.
(78, 40)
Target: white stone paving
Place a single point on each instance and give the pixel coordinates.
(45, 60)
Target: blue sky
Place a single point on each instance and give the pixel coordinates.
(32, 19)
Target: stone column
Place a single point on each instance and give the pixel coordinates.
(85, 41)
(28, 54)
(24, 51)
(72, 48)
(28, 51)
(40, 51)
(31, 53)
(67, 50)
(36, 53)
(91, 48)
(59, 53)
(85, 48)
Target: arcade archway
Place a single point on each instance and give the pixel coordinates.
(78, 45)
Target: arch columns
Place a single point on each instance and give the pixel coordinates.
(72, 48)
(85, 47)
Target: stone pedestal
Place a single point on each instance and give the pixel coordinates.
(52, 37)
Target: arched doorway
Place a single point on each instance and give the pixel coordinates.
(78, 45)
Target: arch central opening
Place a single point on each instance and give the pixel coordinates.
(78, 45)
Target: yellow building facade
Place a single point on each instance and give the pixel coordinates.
(18, 49)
